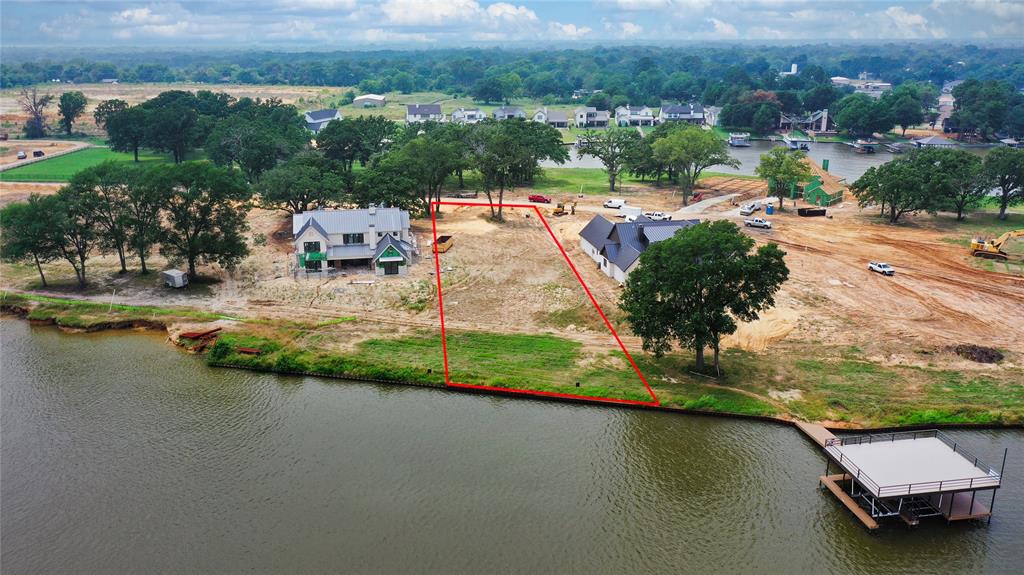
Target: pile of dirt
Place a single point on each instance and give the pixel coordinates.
(977, 353)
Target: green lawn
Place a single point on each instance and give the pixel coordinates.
(61, 168)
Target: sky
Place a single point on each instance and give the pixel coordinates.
(333, 24)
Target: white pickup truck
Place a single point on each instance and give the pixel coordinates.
(658, 216)
(757, 223)
(750, 209)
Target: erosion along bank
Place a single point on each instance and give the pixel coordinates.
(842, 389)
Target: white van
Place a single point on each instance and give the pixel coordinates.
(614, 203)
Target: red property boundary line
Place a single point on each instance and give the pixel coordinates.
(444, 339)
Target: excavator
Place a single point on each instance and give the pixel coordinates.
(993, 249)
(560, 209)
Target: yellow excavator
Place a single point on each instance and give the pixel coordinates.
(560, 209)
(993, 249)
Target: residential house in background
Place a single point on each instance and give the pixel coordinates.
(634, 116)
(582, 94)
(591, 117)
(814, 122)
(935, 142)
(317, 119)
(508, 112)
(423, 113)
(378, 238)
(616, 247)
(370, 101)
(690, 113)
(554, 118)
(468, 115)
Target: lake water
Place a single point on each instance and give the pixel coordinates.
(121, 454)
(843, 161)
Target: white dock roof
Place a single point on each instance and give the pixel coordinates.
(911, 466)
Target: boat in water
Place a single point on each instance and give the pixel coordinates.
(863, 146)
(739, 140)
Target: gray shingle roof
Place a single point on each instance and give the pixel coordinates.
(321, 115)
(311, 223)
(423, 109)
(402, 247)
(556, 116)
(622, 243)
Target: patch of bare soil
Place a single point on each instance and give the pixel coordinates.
(20, 191)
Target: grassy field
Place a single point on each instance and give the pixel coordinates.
(61, 168)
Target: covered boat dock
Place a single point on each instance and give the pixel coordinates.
(909, 474)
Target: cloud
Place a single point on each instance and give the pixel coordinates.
(506, 11)
(568, 31)
(723, 29)
(631, 29)
(380, 35)
(318, 4)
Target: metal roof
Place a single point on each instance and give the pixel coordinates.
(622, 243)
(402, 247)
(596, 232)
(310, 223)
(424, 109)
(354, 221)
(359, 251)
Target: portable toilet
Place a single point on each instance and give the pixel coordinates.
(174, 278)
(769, 210)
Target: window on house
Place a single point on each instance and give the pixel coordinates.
(348, 239)
(309, 247)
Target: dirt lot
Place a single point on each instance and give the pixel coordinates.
(11, 148)
(20, 191)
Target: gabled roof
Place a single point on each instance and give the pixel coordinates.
(321, 115)
(622, 243)
(508, 111)
(382, 245)
(423, 109)
(353, 221)
(597, 231)
(371, 97)
(311, 223)
(557, 116)
(935, 141)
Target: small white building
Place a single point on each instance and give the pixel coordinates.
(370, 101)
(508, 113)
(554, 118)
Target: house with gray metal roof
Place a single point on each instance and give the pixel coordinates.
(508, 113)
(330, 240)
(690, 113)
(317, 119)
(423, 113)
(616, 247)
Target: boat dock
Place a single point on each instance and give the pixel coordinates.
(909, 474)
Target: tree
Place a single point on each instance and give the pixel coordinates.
(957, 177)
(254, 145)
(694, 286)
(70, 106)
(862, 115)
(429, 161)
(497, 156)
(205, 214)
(76, 210)
(1005, 169)
(691, 150)
(148, 193)
(781, 168)
(765, 119)
(611, 147)
(342, 141)
(106, 109)
(906, 112)
(126, 130)
(982, 107)
(820, 97)
(106, 186)
(387, 183)
(30, 231)
(170, 128)
(899, 187)
(35, 106)
(308, 181)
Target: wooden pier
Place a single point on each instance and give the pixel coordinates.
(832, 483)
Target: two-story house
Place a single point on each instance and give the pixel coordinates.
(508, 112)
(468, 115)
(634, 116)
(552, 118)
(317, 119)
(591, 117)
(423, 113)
(690, 113)
(378, 238)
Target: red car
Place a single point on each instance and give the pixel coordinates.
(540, 199)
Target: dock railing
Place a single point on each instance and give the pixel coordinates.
(991, 479)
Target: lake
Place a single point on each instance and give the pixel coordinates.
(121, 454)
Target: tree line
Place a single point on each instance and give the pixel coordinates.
(942, 179)
(192, 212)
